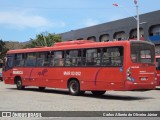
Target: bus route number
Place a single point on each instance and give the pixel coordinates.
(72, 73)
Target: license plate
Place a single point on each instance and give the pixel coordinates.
(143, 78)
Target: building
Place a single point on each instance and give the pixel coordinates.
(122, 29)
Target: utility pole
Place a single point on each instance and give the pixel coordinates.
(135, 2)
(136, 18)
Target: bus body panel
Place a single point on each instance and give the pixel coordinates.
(95, 79)
(90, 78)
(142, 77)
(158, 69)
(145, 74)
(158, 77)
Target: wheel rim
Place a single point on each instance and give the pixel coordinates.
(19, 84)
(73, 87)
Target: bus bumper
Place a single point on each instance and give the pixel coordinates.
(139, 86)
(158, 83)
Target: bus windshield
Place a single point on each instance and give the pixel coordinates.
(142, 53)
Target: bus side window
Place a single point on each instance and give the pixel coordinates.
(90, 57)
(73, 58)
(112, 56)
(19, 60)
(52, 59)
(59, 58)
(93, 57)
(30, 60)
(106, 57)
(9, 62)
(43, 59)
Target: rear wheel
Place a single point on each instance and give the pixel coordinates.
(74, 88)
(19, 84)
(98, 93)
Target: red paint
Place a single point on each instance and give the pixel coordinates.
(90, 78)
(158, 69)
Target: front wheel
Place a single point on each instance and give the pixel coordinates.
(19, 84)
(98, 93)
(74, 88)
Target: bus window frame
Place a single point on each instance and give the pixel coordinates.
(139, 56)
(84, 59)
(78, 63)
(25, 63)
(121, 57)
(53, 58)
(6, 66)
(48, 53)
(24, 59)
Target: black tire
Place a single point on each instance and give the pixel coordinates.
(82, 92)
(74, 88)
(19, 84)
(98, 93)
(41, 88)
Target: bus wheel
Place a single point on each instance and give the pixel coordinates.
(98, 93)
(41, 88)
(19, 84)
(74, 87)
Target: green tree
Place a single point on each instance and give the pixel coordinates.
(3, 49)
(44, 39)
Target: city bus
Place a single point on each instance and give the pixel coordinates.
(1, 64)
(158, 69)
(84, 65)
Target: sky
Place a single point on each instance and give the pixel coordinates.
(21, 20)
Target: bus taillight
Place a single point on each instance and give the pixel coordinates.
(129, 75)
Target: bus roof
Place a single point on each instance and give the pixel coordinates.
(77, 44)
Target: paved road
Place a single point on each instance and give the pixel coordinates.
(31, 99)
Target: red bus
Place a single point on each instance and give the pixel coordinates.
(84, 65)
(158, 69)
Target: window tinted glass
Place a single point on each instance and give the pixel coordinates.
(92, 57)
(30, 60)
(19, 60)
(43, 59)
(112, 56)
(57, 58)
(73, 58)
(9, 62)
(142, 53)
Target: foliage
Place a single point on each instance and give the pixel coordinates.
(3, 49)
(42, 39)
(12, 45)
